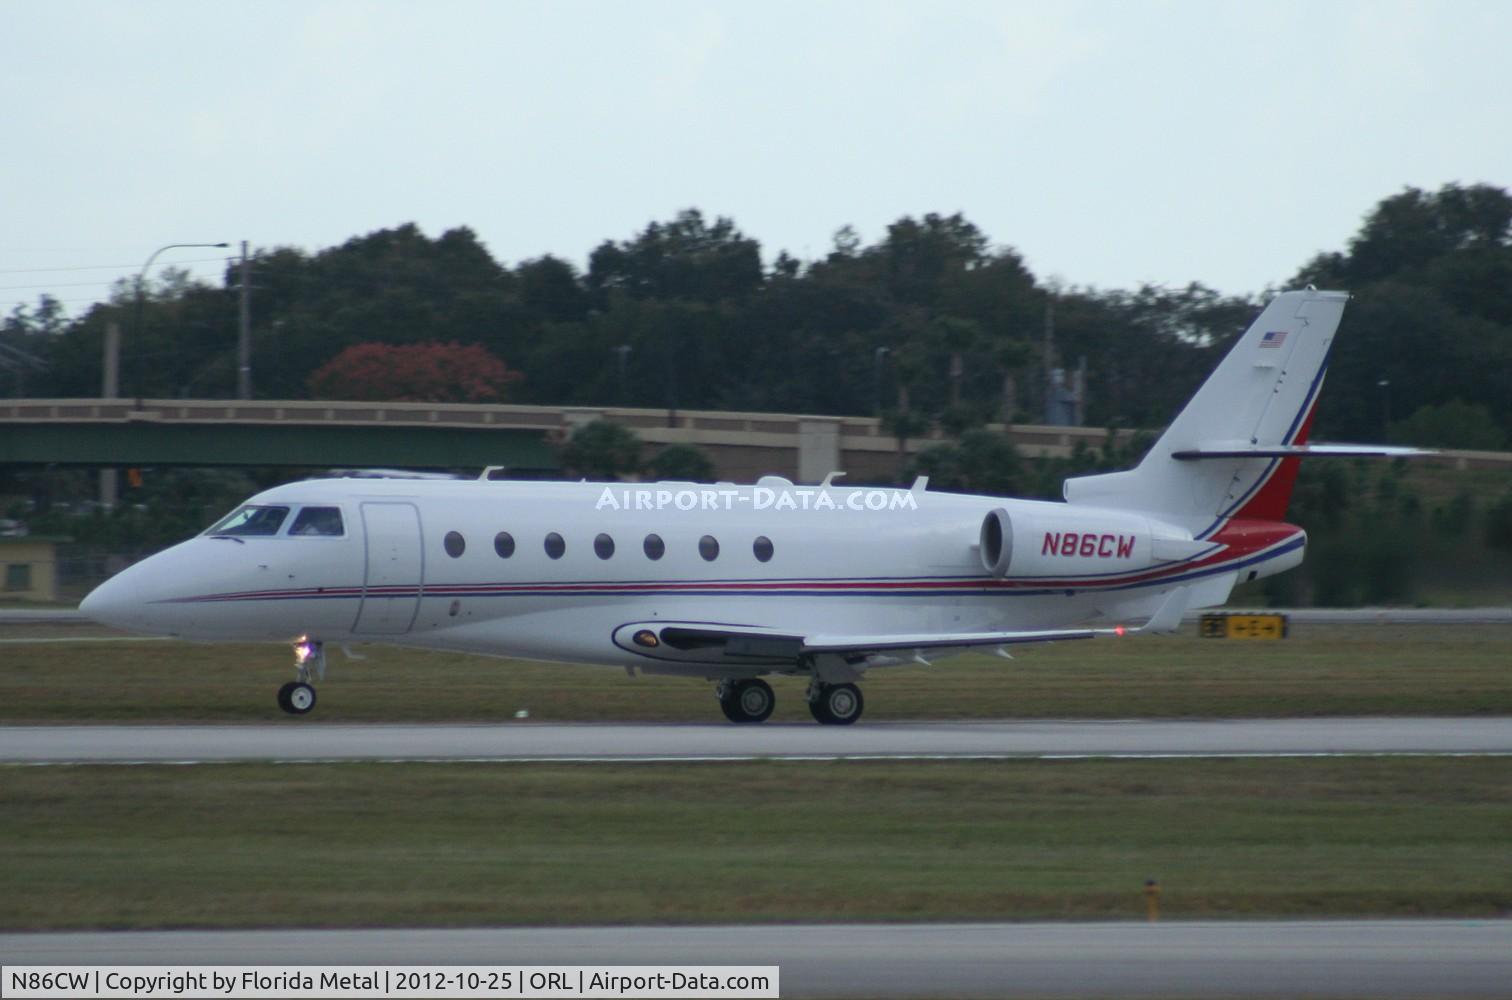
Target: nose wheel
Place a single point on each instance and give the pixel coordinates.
(298, 696)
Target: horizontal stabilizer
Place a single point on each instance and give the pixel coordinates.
(1227, 449)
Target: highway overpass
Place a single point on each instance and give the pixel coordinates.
(315, 434)
(159, 432)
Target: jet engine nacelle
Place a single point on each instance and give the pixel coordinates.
(1076, 542)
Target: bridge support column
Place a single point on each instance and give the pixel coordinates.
(818, 449)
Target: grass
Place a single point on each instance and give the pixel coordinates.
(1321, 670)
(446, 845)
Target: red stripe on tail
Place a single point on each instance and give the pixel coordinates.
(1270, 501)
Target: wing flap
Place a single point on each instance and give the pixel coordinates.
(1167, 618)
(934, 640)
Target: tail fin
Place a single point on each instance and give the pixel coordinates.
(1226, 454)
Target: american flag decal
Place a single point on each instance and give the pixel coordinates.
(1273, 339)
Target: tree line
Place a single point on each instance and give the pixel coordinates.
(934, 323)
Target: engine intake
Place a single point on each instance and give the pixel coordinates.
(996, 542)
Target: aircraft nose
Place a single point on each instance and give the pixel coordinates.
(111, 603)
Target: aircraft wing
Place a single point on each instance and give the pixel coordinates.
(1167, 618)
(755, 645)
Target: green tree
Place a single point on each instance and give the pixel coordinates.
(1499, 524)
(904, 425)
(686, 258)
(1009, 356)
(550, 289)
(602, 450)
(683, 463)
(1431, 274)
(1455, 424)
(981, 461)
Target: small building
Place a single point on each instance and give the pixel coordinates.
(29, 568)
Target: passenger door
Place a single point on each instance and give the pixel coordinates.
(395, 569)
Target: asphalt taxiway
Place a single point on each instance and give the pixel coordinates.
(309, 740)
(1345, 958)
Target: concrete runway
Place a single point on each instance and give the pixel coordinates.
(1346, 958)
(308, 740)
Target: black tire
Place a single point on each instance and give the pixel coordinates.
(300, 699)
(283, 698)
(837, 704)
(816, 705)
(731, 709)
(748, 701)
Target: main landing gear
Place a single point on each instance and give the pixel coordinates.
(835, 704)
(298, 696)
(751, 700)
(748, 700)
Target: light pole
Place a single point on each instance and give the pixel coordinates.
(141, 283)
(109, 490)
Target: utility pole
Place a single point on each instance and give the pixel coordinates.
(244, 337)
(110, 388)
(1079, 392)
(1049, 361)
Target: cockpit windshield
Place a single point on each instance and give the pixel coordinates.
(252, 520)
(317, 521)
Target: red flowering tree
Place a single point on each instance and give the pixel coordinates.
(419, 373)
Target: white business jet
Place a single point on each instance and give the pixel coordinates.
(730, 583)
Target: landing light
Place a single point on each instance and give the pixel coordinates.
(646, 637)
(303, 649)
(1119, 630)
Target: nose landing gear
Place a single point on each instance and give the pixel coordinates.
(298, 696)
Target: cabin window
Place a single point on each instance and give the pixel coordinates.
(603, 546)
(555, 546)
(454, 544)
(762, 547)
(504, 544)
(708, 547)
(655, 547)
(318, 521)
(252, 520)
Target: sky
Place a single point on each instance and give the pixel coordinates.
(1108, 143)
